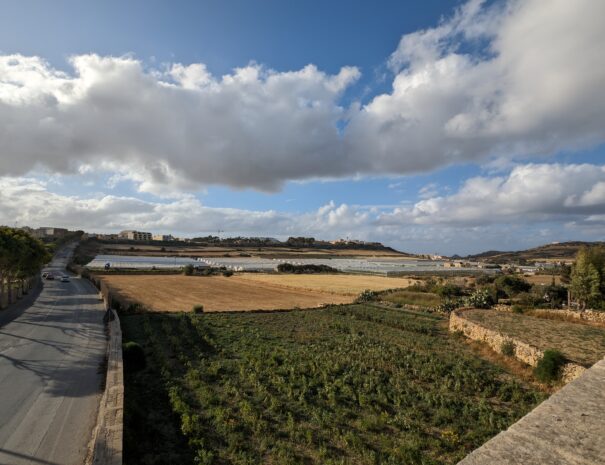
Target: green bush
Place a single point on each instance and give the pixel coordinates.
(134, 356)
(517, 309)
(367, 296)
(448, 290)
(508, 348)
(188, 270)
(481, 298)
(511, 285)
(197, 309)
(549, 366)
(227, 273)
(449, 305)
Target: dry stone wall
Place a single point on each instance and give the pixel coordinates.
(522, 351)
(593, 316)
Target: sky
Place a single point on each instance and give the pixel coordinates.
(433, 127)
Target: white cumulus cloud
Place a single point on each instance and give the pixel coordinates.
(510, 79)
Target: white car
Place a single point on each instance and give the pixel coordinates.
(64, 279)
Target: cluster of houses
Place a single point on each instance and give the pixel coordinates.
(46, 232)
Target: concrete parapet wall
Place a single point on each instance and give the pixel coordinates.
(108, 435)
(522, 351)
(566, 429)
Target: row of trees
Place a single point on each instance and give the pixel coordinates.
(21, 257)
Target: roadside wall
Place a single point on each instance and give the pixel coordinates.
(107, 439)
(522, 351)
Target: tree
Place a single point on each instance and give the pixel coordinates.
(587, 276)
(21, 256)
(511, 285)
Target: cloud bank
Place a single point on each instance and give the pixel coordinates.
(514, 79)
(531, 199)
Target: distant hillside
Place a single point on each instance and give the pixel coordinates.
(559, 251)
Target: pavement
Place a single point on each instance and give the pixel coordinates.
(52, 348)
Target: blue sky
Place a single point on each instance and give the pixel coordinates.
(406, 129)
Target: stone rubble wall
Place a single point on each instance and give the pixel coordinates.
(107, 442)
(593, 316)
(522, 351)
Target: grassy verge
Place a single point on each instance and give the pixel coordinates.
(350, 384)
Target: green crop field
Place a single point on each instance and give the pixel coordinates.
(343, 385)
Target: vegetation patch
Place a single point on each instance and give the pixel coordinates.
(549, 366)
(349, 384)
(405, 297)
(305, 269)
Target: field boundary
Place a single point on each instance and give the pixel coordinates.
(521, 350)
(590, 316)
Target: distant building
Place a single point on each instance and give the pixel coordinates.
(47, 232)
(163, 237)
(453, 265)
(135, 235)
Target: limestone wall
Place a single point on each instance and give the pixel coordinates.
(108, 434)
(594, 316)
(522, 351)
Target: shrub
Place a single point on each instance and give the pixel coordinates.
(485, 279)
(227, 273)
(480, 299)
(511, 285)
(448, 290)
(508, 348)
(134, 356)
(197, 309)
(188, 270)
(549, 366)
(449, 306)
(305, 269)
(517, 309)
(367, 296)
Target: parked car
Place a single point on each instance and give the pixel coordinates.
(50, 277)
(64, 279)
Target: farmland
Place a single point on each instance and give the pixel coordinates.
(216, 293)
(243, 292)
(580, 343)
(351, 285)
(423, 299)
(349, 384)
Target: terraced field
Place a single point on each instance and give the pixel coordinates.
(580, 343)
(343, 385)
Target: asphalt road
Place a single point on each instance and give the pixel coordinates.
(51, 351)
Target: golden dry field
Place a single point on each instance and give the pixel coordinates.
(342, 284)
(166, 293)
(542, 279)
(216, 293)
